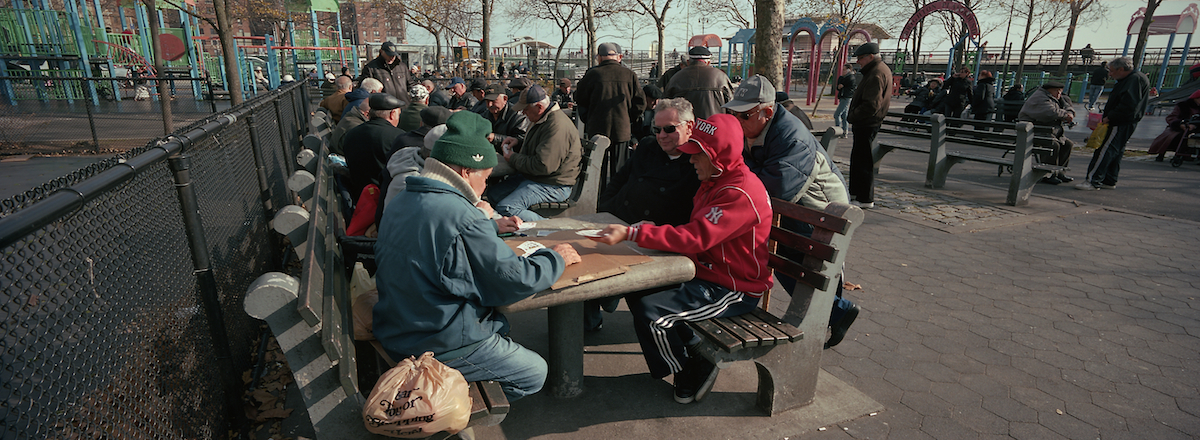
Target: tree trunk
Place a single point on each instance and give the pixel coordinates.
(1024, 43)
(1066, 55)
(590, 24)
(661, 66)
(485, 41)
(164, 96)
(233, 78)
(437, 56)
(1140, 49)
(768, 60)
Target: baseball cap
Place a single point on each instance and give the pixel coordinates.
(750, 93)
(329, 76)
(494, 91)
(532, 95)
(866, 49)
(700, 53)
(478, 84)
(720, 132)
(1053, 85)
(384, 101)
(519, 83)
(608, 49)
(418, 92)
(454, 81)
(435, 115)
(388, 49)
(564, 81)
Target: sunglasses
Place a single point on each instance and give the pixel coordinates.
(745, 116)
(669, 129)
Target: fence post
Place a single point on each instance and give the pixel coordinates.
(190, 207)
(91, 92)
(264, 187)
(288, 154)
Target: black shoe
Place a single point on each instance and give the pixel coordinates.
(839, 329)
(1065, 178)
(1160, 157)
(1051, 180)
(695, 380)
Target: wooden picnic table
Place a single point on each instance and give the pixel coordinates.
(565, 317)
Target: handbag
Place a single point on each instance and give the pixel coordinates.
(1094, 120)
(417, 398)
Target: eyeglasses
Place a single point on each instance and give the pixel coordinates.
(669, 129)
(745, 116)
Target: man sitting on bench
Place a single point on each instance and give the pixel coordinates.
(443, 269)
(1049, 106)
(547, 158)
(726, 238)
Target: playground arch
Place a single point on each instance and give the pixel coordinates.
(817, 35)
(969, 19)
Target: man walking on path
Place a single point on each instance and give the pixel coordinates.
(867, 109)
(1096, 84)
(705, 86)
(845, 91)
(1124, 109)
(607, 95)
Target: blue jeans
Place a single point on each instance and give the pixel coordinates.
(519, 370)
(1106, 161)
(839, 115)
(516, 194)
(1094, 94)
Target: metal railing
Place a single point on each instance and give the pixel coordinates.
(122, 284)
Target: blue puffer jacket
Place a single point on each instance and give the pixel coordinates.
(442, 270)
(786, 158)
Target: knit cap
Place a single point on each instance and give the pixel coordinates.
(465, 142)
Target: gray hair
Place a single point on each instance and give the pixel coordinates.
(1121, 63)
(683, 108)
(372, 85)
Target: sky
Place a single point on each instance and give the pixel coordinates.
(1107, 34)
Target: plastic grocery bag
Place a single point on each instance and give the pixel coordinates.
(417, 398)
(1097, 136)
(363, 311)
(1094, 120)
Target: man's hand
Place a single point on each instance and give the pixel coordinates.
(507, 146)
(508, 224)
(1070, 117)
(1104, 119)
(568, 253)
(612, 234)
(486, 208)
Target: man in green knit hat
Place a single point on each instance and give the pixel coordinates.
(443, 269)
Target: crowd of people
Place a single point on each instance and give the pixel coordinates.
(436, 174)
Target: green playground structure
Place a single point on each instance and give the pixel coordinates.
(39, 44)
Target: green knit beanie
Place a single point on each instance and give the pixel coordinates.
(465, 142)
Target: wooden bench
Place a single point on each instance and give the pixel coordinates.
(788, 350)
(310, 316)
(939, 133)
(587, 187)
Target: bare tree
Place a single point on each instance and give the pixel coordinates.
(1094, 10)
(652, 9)
(567, 16)
(1041, 19)
(768, 20)
(1139, 50)
(737, 13)
(442, 19)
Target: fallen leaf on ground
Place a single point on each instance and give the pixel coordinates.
(277, 413)
(846, 285)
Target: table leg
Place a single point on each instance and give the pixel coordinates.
(566, 350)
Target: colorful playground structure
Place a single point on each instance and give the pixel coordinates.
(40, 43)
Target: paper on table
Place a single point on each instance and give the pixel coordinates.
(526, 226)
(530, 247)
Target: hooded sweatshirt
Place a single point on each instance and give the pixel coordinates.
(731, 216)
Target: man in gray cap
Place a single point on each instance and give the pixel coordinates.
(606, 97)
(516, 86)
(459, 98)
(1048, 106)
(367, 145)
(506, 121)
(547, 159)
(705, 86)
(390, 70)
(867, 109)
(477, 91)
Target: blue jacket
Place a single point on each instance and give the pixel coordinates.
(785, 160)
(442, 270)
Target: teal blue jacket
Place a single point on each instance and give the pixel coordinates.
(443, 270)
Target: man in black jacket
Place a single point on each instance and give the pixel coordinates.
(366, 145)
(705, 86)
(984, 102)
(1096, 84)
(845, 91)
(506, 121)
(1124, 109)
(389, 70)
(608, 95)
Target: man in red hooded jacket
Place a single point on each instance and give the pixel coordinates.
(727, 240)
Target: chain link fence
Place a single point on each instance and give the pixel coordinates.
(122, 283)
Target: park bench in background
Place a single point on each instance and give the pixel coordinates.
(936, 134)
(587, 187)
(311, 316)
(788, 350)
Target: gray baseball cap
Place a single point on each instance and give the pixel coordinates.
(750, 93)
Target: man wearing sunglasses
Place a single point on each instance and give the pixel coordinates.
(867, 109)
(656, 185)
(793, 166)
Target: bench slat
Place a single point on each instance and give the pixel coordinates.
(907, 147)
(717, 335)
(790, 332)
(795, 270)
(769, 335)
(800, 243)
(479, 409)
(748, 338)
(493, 396)
(816, 218)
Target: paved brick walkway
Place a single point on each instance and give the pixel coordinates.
(1081, 326)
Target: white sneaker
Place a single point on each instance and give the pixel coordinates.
(1085, 186)
(862, 205)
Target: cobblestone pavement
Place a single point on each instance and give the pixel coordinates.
(938, 207)
(1081, 326)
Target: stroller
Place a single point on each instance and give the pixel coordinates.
(1189, 150)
